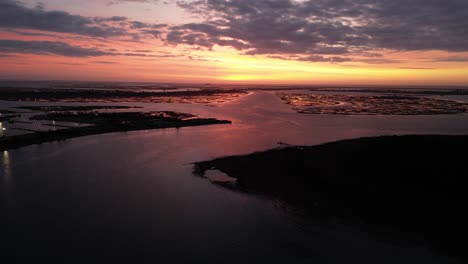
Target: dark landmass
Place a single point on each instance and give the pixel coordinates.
(126, 118)
(74, 108)
(6, 115)
(40, 84)
(102, 85)
(335, 104)
(101, 123)
(410, 184)
(409, 91)
(119, 96)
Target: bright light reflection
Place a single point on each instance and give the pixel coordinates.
(7, 178)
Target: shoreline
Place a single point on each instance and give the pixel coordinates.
(104, 123)
(413, 184)
(208, 96)
(372, 105)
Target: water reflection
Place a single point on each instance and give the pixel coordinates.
(116, 191)
(7, 179)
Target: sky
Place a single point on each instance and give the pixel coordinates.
(334, 42)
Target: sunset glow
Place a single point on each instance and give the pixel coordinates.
(234, 131)
(176, 41)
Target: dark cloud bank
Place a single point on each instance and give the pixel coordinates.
(64, 49)
(326, 30)
(316, 30)
(14, 16)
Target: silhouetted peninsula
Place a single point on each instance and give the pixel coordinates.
(100, 123)
(414, 184)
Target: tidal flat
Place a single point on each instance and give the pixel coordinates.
(339, 104)
(208, 96)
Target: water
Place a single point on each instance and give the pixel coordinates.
(133, 194)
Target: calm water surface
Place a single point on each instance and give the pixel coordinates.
(133, 194)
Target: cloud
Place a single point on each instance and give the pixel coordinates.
(453, 59)
(47, 48)
(6, 55)
(418, 68)
(315, 58)
(314, 28)
(69, 63)
(35, 34)
(332, 31)
(15, 16)
(105, 62)
(60, 49)
(114, 2)
(379, 61)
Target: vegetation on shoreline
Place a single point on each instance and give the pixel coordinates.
(337, 104)
(74, 108)
(120, 96)
(403, 91)
(101, 123)
(414, 184)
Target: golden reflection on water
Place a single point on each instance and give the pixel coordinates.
(6, 159)
(7, 179)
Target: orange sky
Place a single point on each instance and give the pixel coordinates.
(156, 60)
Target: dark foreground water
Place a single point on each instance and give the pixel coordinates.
(133, 194)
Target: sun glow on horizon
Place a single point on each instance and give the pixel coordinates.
(144, 47)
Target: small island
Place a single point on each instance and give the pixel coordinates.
(410, 184)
